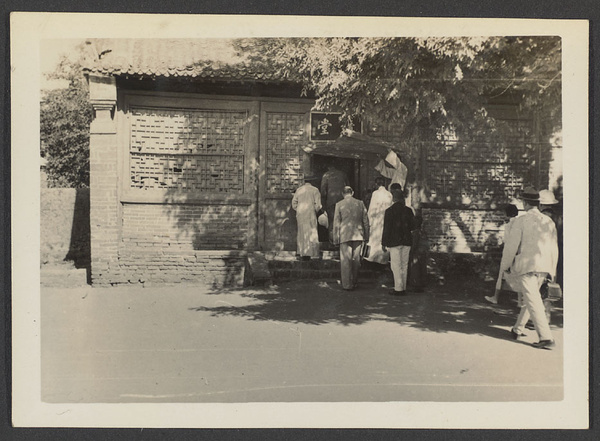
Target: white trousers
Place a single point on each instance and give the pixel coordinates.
(533, 306)
(399, 264)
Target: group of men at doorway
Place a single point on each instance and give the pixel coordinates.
(383, 233)
(388, 230)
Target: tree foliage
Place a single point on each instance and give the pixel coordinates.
(411, 82)
(65, 116)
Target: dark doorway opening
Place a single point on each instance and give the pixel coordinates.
(349, 166)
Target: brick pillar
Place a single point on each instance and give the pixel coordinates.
(104, 203)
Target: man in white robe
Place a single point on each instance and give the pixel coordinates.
(307, 202)
(381, 200)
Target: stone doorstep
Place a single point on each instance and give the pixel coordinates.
(263, 268)
(286, 266)
(292, 274)
(257, 271)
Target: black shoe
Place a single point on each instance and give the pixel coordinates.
(529, 325)
(516, 335)
(393, 292)
(544, 344)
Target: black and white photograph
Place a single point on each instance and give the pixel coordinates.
(299, 222)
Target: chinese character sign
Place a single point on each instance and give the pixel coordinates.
(323, 127)
(327, 126)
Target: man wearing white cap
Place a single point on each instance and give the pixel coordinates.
(530, 254)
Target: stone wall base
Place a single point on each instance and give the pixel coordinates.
(214, 269)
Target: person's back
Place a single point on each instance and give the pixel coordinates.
(351, 225)
(530, 255)
(306, 197)
(350, 231)
(398, 225)
(381, 201)
(538, 247)
(332, 186)
(397, 237)
(307, 202)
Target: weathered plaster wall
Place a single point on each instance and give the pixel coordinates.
(65, 225)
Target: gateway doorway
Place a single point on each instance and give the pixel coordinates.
(349, 166)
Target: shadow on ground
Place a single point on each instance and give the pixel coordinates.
(457, 306)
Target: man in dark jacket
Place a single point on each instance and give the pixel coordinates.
(332, 191)
(398, 224)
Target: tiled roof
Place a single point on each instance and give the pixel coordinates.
(188, 58)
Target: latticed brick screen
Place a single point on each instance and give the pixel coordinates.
(410, 151)
(285, 134)
(184, 149)
(490, 167)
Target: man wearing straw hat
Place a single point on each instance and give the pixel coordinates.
(550, 206)
(530, 254)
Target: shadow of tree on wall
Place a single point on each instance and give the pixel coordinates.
(477, 234)
(193, 163)
(200, 156)
(491, 163)
(207, 169)
(205, 165)
(455, 307)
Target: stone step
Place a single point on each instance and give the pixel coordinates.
(313, 264)
(313, 269)
(257, 271)
(63, 277)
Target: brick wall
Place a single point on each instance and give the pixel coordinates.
(167, 265)
(185, 227)
(203, 242)
(464, 231)
(170, 243)
(104, 206)
(104, 203)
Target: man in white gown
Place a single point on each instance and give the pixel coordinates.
(307, 202)
(381, 200)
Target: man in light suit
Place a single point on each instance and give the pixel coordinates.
(350, 232)
(530, 254)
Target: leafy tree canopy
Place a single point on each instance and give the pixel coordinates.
(65, 116)
(435, 82)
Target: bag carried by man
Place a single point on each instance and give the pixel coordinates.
(551, 291)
